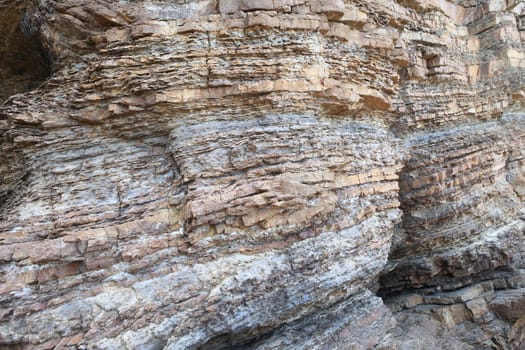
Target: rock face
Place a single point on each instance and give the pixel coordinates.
(284, 174)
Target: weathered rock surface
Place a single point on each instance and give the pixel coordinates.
(302, 174)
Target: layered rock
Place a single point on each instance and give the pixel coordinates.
(249, 174)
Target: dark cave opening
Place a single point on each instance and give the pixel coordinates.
(24, 64)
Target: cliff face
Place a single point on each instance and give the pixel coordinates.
(272, 174)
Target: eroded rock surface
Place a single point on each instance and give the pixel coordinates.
(302, 174)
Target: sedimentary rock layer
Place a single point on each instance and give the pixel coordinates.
(250, 174)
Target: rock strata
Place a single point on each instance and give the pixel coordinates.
(285, 174)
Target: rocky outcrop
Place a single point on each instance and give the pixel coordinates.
(317, 174)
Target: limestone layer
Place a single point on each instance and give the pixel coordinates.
(271, 174)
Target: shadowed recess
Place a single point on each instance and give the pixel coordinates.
(23, 63)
